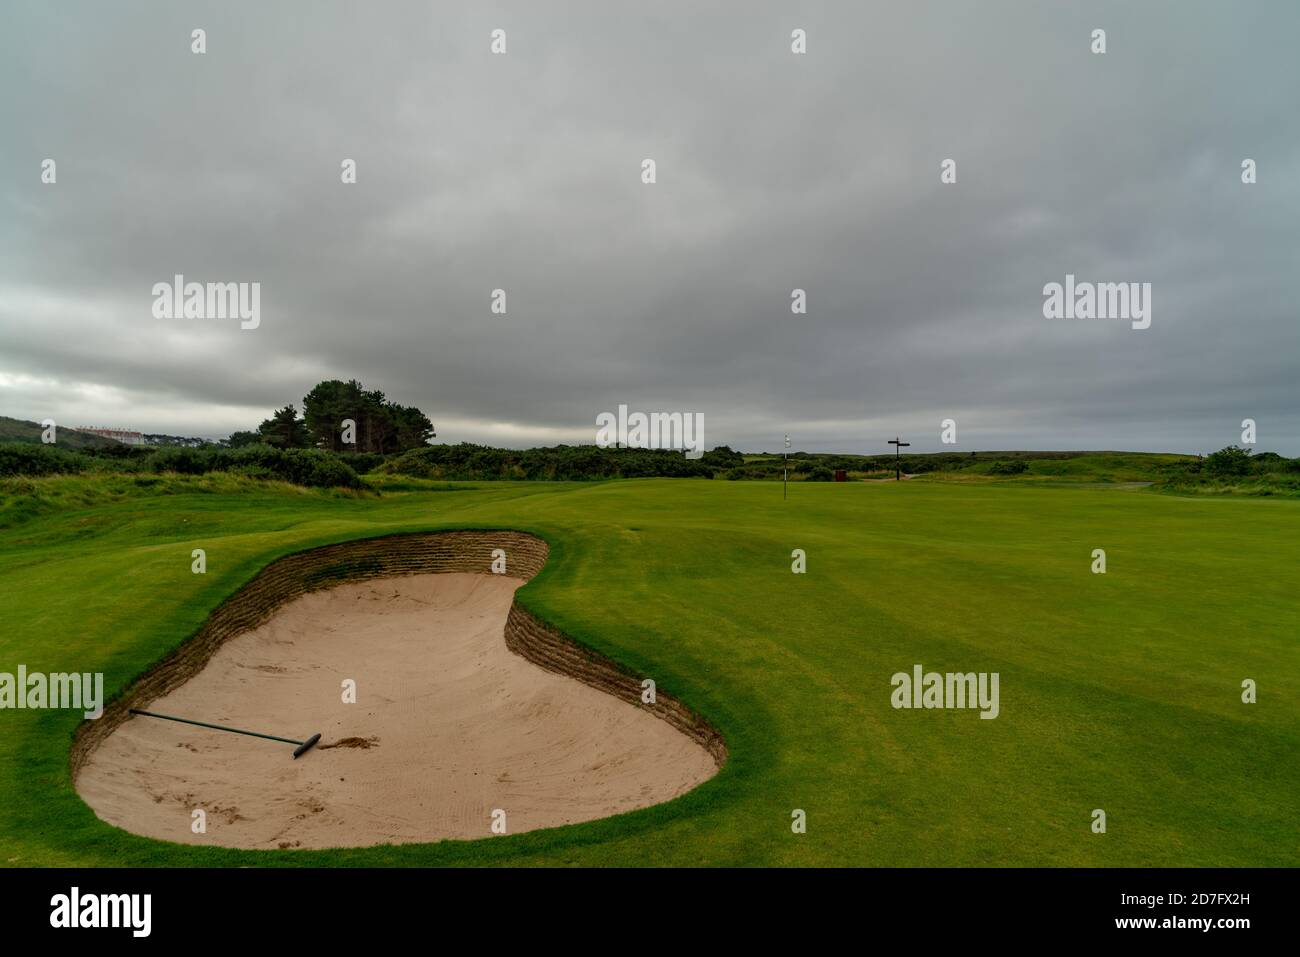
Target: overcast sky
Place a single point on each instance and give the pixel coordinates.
(775, 171)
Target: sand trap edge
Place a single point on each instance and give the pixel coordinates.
(389, 556)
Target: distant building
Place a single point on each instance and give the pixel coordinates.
(121, 435)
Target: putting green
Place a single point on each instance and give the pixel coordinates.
(1119, 692)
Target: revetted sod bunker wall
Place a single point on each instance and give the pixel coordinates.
(406, 554)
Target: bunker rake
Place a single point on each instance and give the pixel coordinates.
(302, 746)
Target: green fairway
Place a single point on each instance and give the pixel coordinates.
(1119, 692)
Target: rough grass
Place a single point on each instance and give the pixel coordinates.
(1119, 692)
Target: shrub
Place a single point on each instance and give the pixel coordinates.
(319, 469)
(1230, 461)
(1009, 467)
(362, 462)
(21, 458)
(183, 460)
(300, 466)
(122, 455)
(722, 458)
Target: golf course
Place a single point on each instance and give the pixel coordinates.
(1120, 691)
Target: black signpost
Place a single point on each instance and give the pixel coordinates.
(898, 447)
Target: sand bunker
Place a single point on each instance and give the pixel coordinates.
(449, 726)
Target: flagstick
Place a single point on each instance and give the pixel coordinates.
(785, 472)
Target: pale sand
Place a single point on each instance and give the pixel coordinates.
(457, 724)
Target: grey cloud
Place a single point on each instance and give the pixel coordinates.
(775, 171)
